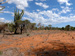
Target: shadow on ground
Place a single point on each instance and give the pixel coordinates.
(58, 50)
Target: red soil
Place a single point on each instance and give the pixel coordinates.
(47, 43)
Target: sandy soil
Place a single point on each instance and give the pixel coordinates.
(39, 43)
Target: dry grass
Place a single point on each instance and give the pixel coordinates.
(40, 43)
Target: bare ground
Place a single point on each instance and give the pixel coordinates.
(38, 43)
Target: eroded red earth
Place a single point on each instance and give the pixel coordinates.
(39, 43)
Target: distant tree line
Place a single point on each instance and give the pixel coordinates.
(68, 28)
(20, 26)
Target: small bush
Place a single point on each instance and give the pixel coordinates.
(28, 34)
(1, 52)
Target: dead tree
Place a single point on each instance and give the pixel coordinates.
(1, 2)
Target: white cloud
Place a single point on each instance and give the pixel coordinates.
(65, 10)
(0, 8)
(7, 6)
(12, 13)
(71, 14)
(55, 9)
(42, 5)
(64, 1)
(25, 18)
(48, 17)
(62, 7)
(45, 17)
(41, 0)
(7, 12)
(38, 10)
(4, 20)
(21, 4)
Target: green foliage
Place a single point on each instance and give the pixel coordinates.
(67, 27)
(10, 26)
(1, 52)
(62, 28)
(18, 15)
(46, 28)
(17, 19)
(26, 24)
(72, 28)
(33, 26)
(49, 26)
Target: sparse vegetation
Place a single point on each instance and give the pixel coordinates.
(17, 20)
(1, 52)
(24, 37)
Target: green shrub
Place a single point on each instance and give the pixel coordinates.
(1, 52)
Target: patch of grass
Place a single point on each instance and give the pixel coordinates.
(1, 52)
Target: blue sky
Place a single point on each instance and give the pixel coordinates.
(58, 13)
